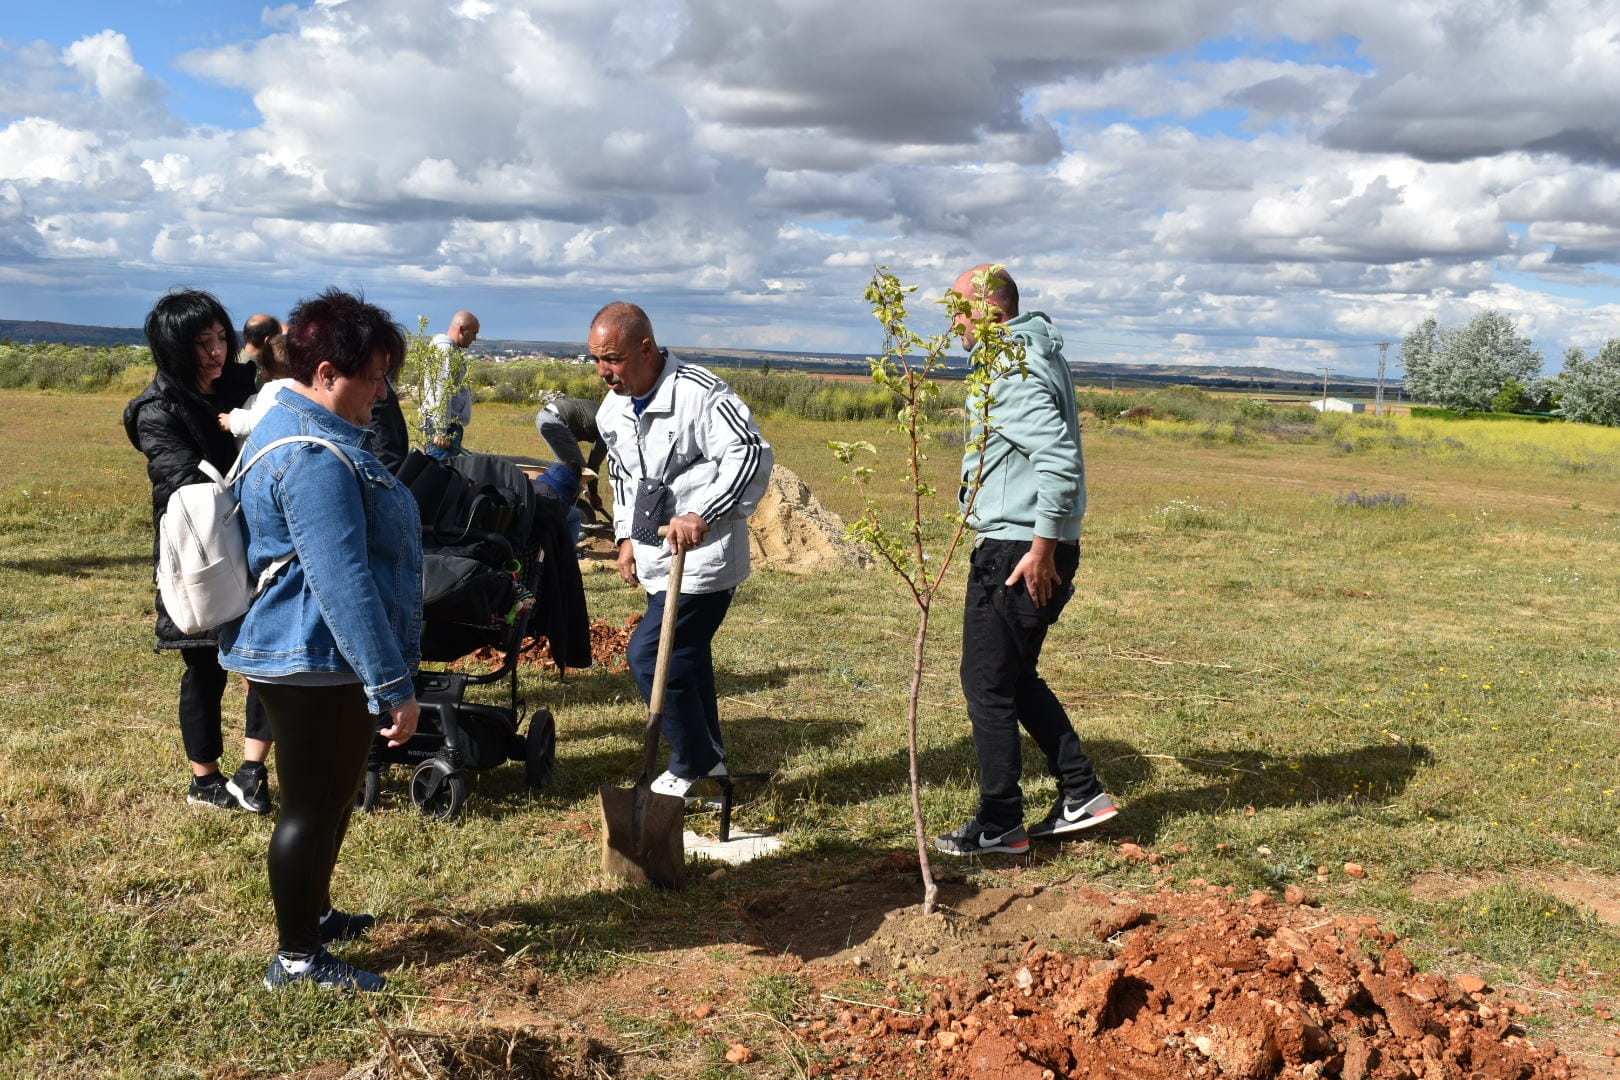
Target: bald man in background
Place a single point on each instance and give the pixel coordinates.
(443, 422)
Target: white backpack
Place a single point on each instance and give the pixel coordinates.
(202, 566)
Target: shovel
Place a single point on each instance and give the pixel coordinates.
(641, 831)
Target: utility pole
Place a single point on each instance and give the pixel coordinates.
(1378, 402)
(1325, 371)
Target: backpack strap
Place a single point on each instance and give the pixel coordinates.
(275, 566)
(237, 473)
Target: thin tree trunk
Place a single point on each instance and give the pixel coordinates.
(930, 890)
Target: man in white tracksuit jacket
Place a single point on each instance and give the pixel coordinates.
(678, 424)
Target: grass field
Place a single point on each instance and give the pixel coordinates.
(1396, 645)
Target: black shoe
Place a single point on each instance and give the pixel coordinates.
(210, 790)
(324, 970)
(974, 839)
(341, 926)
(1072, 815)
(250, 787)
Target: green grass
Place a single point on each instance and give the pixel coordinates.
(1266, 676)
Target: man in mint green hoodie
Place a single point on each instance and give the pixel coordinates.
(1026, 514)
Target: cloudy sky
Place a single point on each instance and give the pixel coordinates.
(1187, 181)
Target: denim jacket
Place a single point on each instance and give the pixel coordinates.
(351, 599)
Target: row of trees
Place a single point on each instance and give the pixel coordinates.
(1485, 366)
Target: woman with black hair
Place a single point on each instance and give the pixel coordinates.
(175, 423)
(332, 642)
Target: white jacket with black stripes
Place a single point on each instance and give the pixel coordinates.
(697, 435)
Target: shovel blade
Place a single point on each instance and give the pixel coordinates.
(641, 836)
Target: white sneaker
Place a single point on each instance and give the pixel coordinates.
(668, 783)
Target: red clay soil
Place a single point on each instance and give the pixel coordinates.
(1198, 986)
(608, 643)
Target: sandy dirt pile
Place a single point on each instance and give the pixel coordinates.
(1196, 986)
(791, 530)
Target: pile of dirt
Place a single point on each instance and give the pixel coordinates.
(792, 531)
(608, 645)
(1172, 986)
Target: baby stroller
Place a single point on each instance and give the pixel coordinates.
(481, 574)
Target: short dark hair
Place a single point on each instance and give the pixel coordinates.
(343, 330)
(631, 320)
(173, 326)
(259, 329)
(1001, 290)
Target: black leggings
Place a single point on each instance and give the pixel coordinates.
(323, 737)
(201, 688)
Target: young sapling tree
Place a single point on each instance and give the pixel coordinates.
(432, 381)
(908, 368)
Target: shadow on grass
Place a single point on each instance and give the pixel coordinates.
(598, 686)
(822, 898)
(1231, 779)
(74, 566)
(812, 904)
(1236, 779)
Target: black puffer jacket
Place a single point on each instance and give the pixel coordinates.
(176, 427)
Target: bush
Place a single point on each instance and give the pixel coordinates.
(68, 367)
(1432, 412)
(813, 398)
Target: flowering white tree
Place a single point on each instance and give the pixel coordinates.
(1588, 389)
(1466, 367)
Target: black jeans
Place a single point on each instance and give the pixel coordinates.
(323, 737)
(201, 688)
(1002, 635)
(691, 706)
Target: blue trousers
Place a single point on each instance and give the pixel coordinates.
(691, 721)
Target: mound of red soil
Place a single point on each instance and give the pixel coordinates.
(1200, 987)
(608, 644)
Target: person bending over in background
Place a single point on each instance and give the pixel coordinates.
(175, 423)
(565, 422)
(332, 642)
(676, 425)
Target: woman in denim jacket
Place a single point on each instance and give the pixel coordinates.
(332, 642)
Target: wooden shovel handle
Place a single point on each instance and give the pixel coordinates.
(666, 632)
(666, 645)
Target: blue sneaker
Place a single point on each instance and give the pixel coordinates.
(341, 926)
(974, 839)
(325, 970)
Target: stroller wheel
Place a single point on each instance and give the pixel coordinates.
(366, 798)
(540, 757)
(438, 794)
